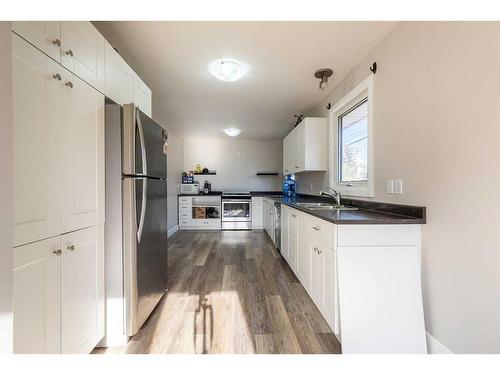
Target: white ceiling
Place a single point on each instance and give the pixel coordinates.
(172, 58)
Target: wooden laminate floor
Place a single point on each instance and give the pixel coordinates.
(231, 292)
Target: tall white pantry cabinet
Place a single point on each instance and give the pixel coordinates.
(58, 206)
(59, 87)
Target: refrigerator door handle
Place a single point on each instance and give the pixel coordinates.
(143, 144)
(143, 209)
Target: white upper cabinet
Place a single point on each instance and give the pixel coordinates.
(46, 36)
(118, 77)
(58, 148)
(305, 147)
(83, 150)
(82, 290)
(37, 297)
(37, 158)
(82, 52)
(142, 96)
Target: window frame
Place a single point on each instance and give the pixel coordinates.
(363, 91)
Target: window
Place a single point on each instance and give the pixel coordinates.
(353, 144)
(351, 128)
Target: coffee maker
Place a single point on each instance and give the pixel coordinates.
(207, 187)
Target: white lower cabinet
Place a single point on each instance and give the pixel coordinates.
(308, 247)
(58, 295)
(257, 214)
(293, 240)
(285, 248)
(82, 290)
(37, 297)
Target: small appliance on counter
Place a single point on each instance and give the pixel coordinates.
(289, 186)
(187, 178)
(207, 187)
(193, 188)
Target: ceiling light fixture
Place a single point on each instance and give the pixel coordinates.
(323, 75)
(227, 70)
(232, 132)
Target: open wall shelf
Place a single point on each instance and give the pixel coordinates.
(268, 173)
(205, 174)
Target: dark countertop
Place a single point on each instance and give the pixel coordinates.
(200, 194)
(368, 213)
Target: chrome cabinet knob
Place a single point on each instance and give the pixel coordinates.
(71, 247)
(69, 53)
(57, 76)
(56, 42)
(69, 84)
(57, 252)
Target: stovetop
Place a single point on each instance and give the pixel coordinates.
(236, 194)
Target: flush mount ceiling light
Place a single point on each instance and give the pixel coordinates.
(232, 132)
(323, 75)
(227, 70)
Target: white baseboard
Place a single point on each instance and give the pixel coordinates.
(434, 346)
(172, 230)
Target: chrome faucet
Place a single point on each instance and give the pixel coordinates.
(335, 196)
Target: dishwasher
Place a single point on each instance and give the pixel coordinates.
(277, 225)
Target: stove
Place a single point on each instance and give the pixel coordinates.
(236, 210)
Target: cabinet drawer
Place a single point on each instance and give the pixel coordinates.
(185, 201)
(184, 222)
(320, 230)
(205, 223)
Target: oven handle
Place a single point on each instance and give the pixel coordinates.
(237, 200)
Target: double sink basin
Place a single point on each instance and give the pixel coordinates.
(313, 206)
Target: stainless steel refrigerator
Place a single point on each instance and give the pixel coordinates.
(136, 219)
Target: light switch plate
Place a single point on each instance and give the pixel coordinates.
(398, 187)
(389, 187)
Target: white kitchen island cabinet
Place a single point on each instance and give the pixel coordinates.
(364, 279)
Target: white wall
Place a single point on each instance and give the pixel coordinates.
(5, 190)
(437, 126)
(174, 170)
(236, 162)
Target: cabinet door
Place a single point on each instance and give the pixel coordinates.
(299, 148)
(304, 254)
(46, 36)
(287, 154)
(293, 239)
(118, 77)
(329, 304)
(83, 154)
(82, 51)
(37, 297)
(36, 96)
(142, 96)
(316, 274)
(82, 290)
(257, 213)
(285, 251)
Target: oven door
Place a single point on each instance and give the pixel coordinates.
(236, 210)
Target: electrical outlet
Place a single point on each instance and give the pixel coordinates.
(389, 189)
(398, 187)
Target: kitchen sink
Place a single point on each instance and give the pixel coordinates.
(336, 207)
(313, 206)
